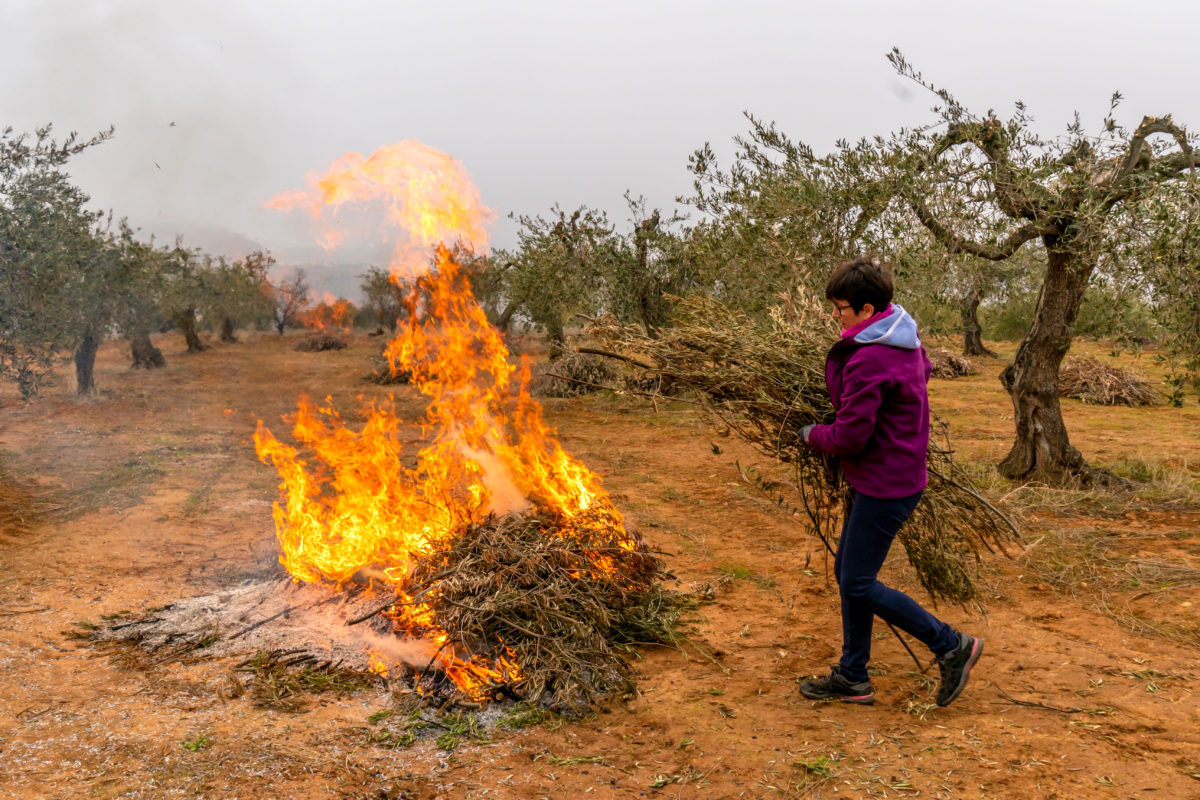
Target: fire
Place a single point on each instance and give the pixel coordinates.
(328, 314)
(351, 506)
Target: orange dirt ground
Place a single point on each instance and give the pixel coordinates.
(150, 491)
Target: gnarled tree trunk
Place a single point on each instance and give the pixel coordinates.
(972, 330)
(186, 320)
(145, 355)
(85, 362)
(227, 334)
(1042, 451)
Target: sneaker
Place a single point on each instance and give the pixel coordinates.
(956, 667)
(835, 687)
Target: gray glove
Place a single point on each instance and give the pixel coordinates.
(805, 431)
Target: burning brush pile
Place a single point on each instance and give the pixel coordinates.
(328, 323)
(765, 381)
(489, 562)
(509, 569)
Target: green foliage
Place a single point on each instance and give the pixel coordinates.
(196, 743)
(779, 215)
(239, 291)
(51, 260)
(553, 273)
(383, 297)
(648, 269)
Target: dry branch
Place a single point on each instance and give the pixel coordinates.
(321, 340)
(1102, 384)
(765, 381)
(947, 364)
(563, 599)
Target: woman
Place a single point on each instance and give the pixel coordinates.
(876, 375)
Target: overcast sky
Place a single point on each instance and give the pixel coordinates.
(219, 105)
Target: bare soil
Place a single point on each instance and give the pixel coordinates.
(150, 492)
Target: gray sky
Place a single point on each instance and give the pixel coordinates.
(543, 102)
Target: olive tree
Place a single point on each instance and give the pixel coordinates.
(1072, 195)
(50, 256)
(383, 297)
(555, 270)
(647, 268)
(782, 215)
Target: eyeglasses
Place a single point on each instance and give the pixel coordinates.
(839, 308)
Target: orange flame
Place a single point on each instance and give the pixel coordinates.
(331, 313)
(424, 193)
(350, 503)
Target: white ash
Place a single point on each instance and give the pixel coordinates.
(278, 615)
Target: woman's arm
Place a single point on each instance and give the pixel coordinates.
(862, 395)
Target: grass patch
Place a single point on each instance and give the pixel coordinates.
(524, 715)
(450, 731)
(197, 503)
(1156, 484)
(731, 573)
(1108, 570)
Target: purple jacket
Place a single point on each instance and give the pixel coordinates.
(876, 379)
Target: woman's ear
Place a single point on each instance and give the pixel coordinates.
(868, 310)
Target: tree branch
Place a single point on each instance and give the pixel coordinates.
(1133, 157)
(958, 244)
(992, 140)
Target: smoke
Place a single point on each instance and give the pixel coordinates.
(503, 495)
(191, 143)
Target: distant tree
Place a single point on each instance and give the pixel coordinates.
(190, 287)
(648, 268)
(383, 297)
(145, 270)
(288, 299)
(50, 256)
(238, 291)
(557, 268)
(1072, 195)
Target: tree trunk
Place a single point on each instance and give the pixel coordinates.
(187, 323)
(85, 362)
(505, 318)
(227, 334)
(972, 330)
(557, 338)
(1042, 451)
(145, 354)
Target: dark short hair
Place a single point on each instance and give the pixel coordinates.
(866, 279)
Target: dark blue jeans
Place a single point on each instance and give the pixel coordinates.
(867, 535)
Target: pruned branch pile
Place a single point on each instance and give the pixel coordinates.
(567, 598)
(572, 375)
(321, 340)
(1095, 382)
(948, 364)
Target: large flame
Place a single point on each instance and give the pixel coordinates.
(350, 505)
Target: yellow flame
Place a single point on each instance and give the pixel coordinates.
(350, 503)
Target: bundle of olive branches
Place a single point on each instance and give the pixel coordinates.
(764, 380)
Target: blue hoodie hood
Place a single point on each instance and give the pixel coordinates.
(897, 329)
